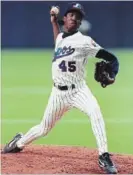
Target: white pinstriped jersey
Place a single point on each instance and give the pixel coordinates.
(70, 58)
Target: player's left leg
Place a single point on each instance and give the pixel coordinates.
(86, 102)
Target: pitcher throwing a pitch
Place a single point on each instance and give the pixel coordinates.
(72, 50)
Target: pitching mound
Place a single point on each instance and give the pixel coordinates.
(60, 159)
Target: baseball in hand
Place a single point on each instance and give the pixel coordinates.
(55, 10)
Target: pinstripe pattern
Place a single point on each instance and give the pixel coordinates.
(81, 97)
(58, 104)
(62, 101)
(83, 49)
(86, 102)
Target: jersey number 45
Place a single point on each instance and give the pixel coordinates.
(68, 66)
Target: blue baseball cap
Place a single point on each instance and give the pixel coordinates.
(76, 7)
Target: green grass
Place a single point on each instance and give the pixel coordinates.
(26, 86)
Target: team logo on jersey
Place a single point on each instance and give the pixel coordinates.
(62, 52)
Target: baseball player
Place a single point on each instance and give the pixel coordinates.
(72, 50)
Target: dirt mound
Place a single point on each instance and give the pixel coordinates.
(60, 159)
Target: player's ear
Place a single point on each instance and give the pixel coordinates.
(64, 18)
(79, 22)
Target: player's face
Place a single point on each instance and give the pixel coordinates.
(72, 21)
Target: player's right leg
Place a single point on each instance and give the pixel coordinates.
(57, 106)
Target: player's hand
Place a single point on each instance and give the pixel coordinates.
(54, 12)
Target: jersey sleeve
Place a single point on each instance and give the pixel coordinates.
(58, 39)
(92, 47)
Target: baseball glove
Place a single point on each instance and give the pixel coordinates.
(103, 73)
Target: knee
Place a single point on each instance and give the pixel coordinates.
(38, 130)
(95, 112)
(43, 129)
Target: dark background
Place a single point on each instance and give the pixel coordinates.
(27, 24)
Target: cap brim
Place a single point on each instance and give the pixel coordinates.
(75, 9)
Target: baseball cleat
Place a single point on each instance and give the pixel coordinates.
(106, 164)
(11, 147)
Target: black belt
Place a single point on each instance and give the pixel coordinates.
(65, 88)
